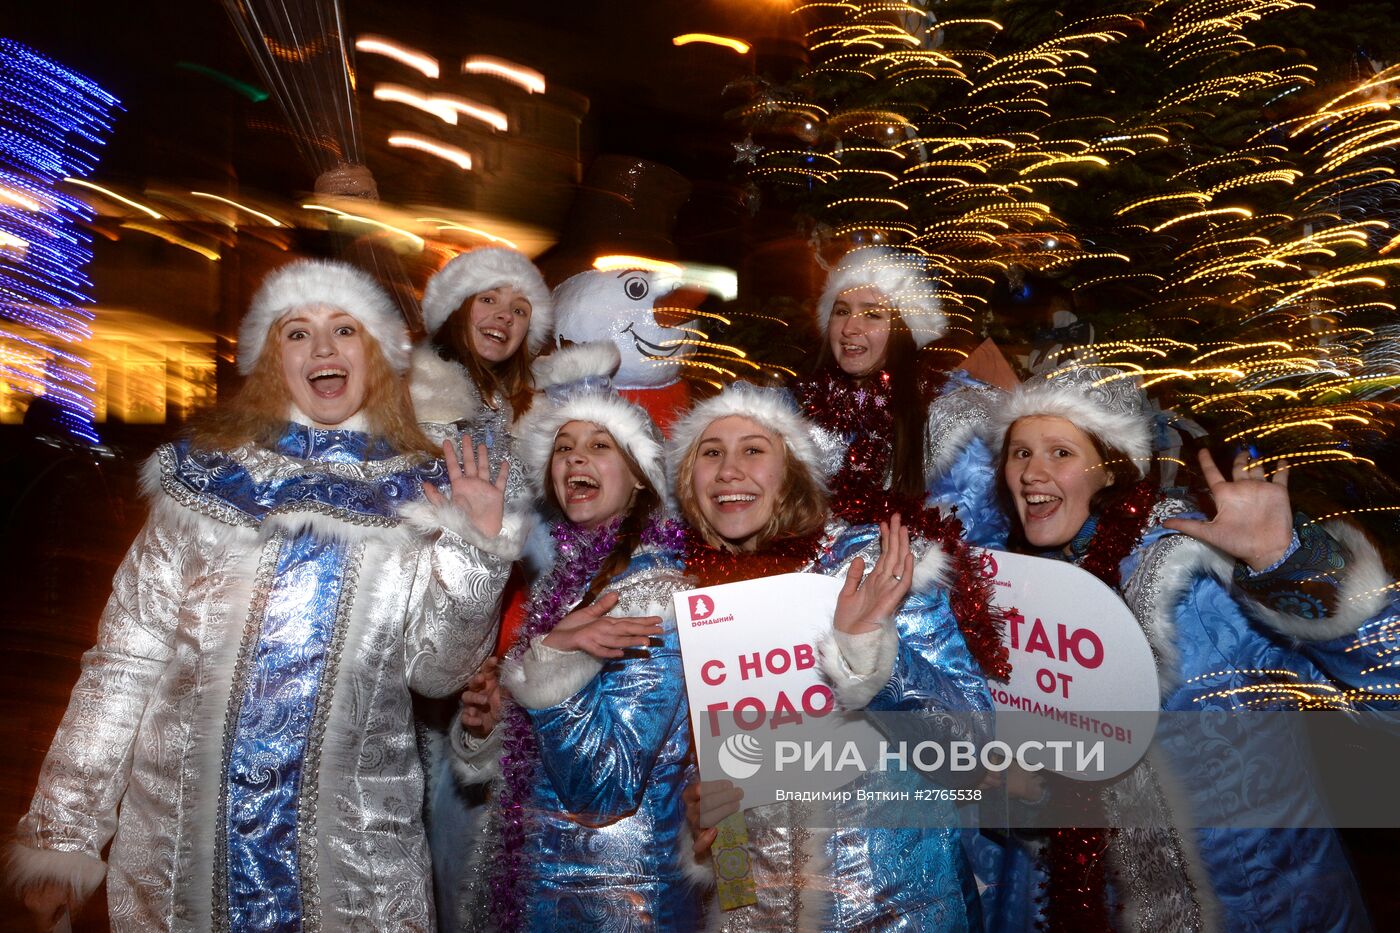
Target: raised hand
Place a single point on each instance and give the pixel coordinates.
(707, 803)
(591, 629)
(865, 601)
(1253, 516)
(478, 497)
(481, 701)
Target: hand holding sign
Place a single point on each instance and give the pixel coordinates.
(864, 603)
(707, 804)
(592, 630)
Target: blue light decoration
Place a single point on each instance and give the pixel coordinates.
(52, 121)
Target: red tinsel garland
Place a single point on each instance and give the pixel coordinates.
(1075, 890)
(710, 565)
(1119, 532)
(858, 495)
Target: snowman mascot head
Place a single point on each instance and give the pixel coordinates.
(620, 306)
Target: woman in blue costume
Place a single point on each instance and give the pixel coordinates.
(749, 480)
(487, 314)
(592, 752)
(242, 730)
(1250, 612)
(914, 431)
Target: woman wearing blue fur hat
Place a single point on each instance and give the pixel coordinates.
(241, 733)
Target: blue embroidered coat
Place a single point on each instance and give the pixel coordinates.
(243, 724)
(859, 877)
(1261, 644)
(605, 814)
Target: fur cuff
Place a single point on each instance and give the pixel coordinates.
(542, 677)
(80, 872)
(931, 570)
(1362, 596)
(697, 874)
(441, 390)
(507, 544)
(474, 761)
(859, 666)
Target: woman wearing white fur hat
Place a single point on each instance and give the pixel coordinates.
(1246, 613)
(914, 430)
(588, 761)
(487, 314)
(241, 732)
(749, 478)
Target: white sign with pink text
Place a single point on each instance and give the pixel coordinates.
(1081, 667)
(750, 655)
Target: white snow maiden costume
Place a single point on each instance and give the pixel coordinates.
(243, 724)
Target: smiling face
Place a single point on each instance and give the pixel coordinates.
(738, 477)
(591, 478)
(498, 322)
(1052, 470)
(859, 330)
(323, 362)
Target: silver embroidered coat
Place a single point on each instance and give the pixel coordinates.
(243, 724)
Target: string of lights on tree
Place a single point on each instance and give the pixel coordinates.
(52, 122)
(1224, 214)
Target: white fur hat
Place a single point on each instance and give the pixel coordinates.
(577, 387)
(482, 270)
(1098, 400)
(775, 410)
(900, 276)
(309, 282)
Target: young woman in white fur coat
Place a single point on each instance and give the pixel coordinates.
(241, 733)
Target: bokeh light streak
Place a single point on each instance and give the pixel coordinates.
(53, 120)
(418, 61)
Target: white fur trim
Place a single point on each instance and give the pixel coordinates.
(859, 666)
(1131, 433)
(323, 282)
(474, 761)
(79, 872)
(901, 277)
(480, 271)
(931, 570)
(696, 873)
(576, 362)
(542, 677)
(771, 408)
(1363, 592)
(441, 390)
(1181, 560)
(627, 422)
(507, 544)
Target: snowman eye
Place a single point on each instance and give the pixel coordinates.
(636, 288)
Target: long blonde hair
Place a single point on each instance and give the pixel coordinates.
(257, 412)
